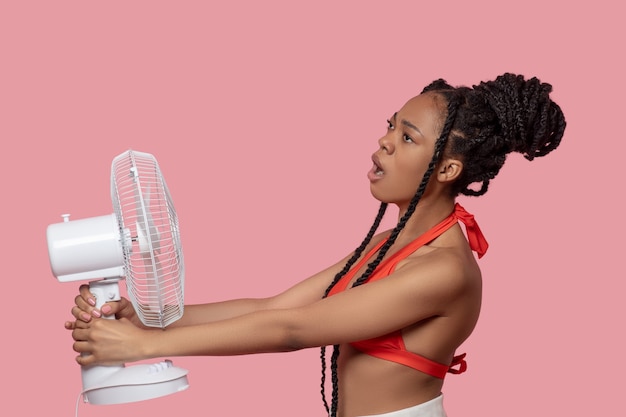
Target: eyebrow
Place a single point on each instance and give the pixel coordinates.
(411, 125)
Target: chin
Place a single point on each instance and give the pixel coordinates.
(389, 198)
(382, 197)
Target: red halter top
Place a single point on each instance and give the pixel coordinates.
(391, 346)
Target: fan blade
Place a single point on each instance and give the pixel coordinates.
(155, 236)
(148, 237)
(142, 236)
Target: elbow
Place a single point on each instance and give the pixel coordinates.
(285, 330)
(292, 344)
(295, 335)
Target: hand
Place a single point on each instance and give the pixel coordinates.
(84, 309)
(108, 342)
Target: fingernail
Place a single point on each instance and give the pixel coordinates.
(106, 309)
(96, 313)
(91, 301)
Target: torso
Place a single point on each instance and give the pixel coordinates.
(360, 375)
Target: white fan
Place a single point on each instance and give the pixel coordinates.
(140, 242)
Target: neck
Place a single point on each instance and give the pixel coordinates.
(427, 214)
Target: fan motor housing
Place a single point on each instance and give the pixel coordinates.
(86, 249)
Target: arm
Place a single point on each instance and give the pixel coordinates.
(305, 292)
(84, 310)
(414, 293)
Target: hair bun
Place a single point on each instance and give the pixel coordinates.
(531, 122)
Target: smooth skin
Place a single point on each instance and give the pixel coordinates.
(434, 295)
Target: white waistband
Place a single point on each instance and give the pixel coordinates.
(432, 408)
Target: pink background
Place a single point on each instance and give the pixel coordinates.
(263, 116)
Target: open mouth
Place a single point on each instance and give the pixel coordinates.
(377, 169)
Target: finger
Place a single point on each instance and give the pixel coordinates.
(86, 295)
(122, 307)
(82, 305)
(109, 308)
(81, 314)
(71, 325)
(78, 324)
(115, 307)
(85, 359)
(80, 335)
(82, 360)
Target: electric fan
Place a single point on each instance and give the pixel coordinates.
(140, 242)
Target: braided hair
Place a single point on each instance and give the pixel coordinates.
(482, 125)
(495, 118)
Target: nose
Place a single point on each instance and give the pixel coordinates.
(386, 144)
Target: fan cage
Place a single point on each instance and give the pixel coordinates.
(154, 264)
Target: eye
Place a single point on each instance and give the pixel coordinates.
(390, 125)
(407, 138)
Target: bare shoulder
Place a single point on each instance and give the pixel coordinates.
(446, 272)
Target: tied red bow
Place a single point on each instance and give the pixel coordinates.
(476, 239)
(460, 361)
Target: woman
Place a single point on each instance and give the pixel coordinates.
(395, 338)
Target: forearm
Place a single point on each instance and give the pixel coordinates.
(196, 314)
(260, 332)
(301, 294)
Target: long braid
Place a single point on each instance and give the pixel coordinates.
(360, 249)
(334, 380)
(439, 148)
(357, 253)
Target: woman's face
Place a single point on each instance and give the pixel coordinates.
(406, 149)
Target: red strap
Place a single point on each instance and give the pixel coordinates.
(475, 236)
(458, 360)
(413, 360)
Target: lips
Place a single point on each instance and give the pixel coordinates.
(378, 170)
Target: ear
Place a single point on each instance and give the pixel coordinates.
(449, 170)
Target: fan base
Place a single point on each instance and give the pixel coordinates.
(137, 383)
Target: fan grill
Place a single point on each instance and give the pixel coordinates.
(153, 254)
